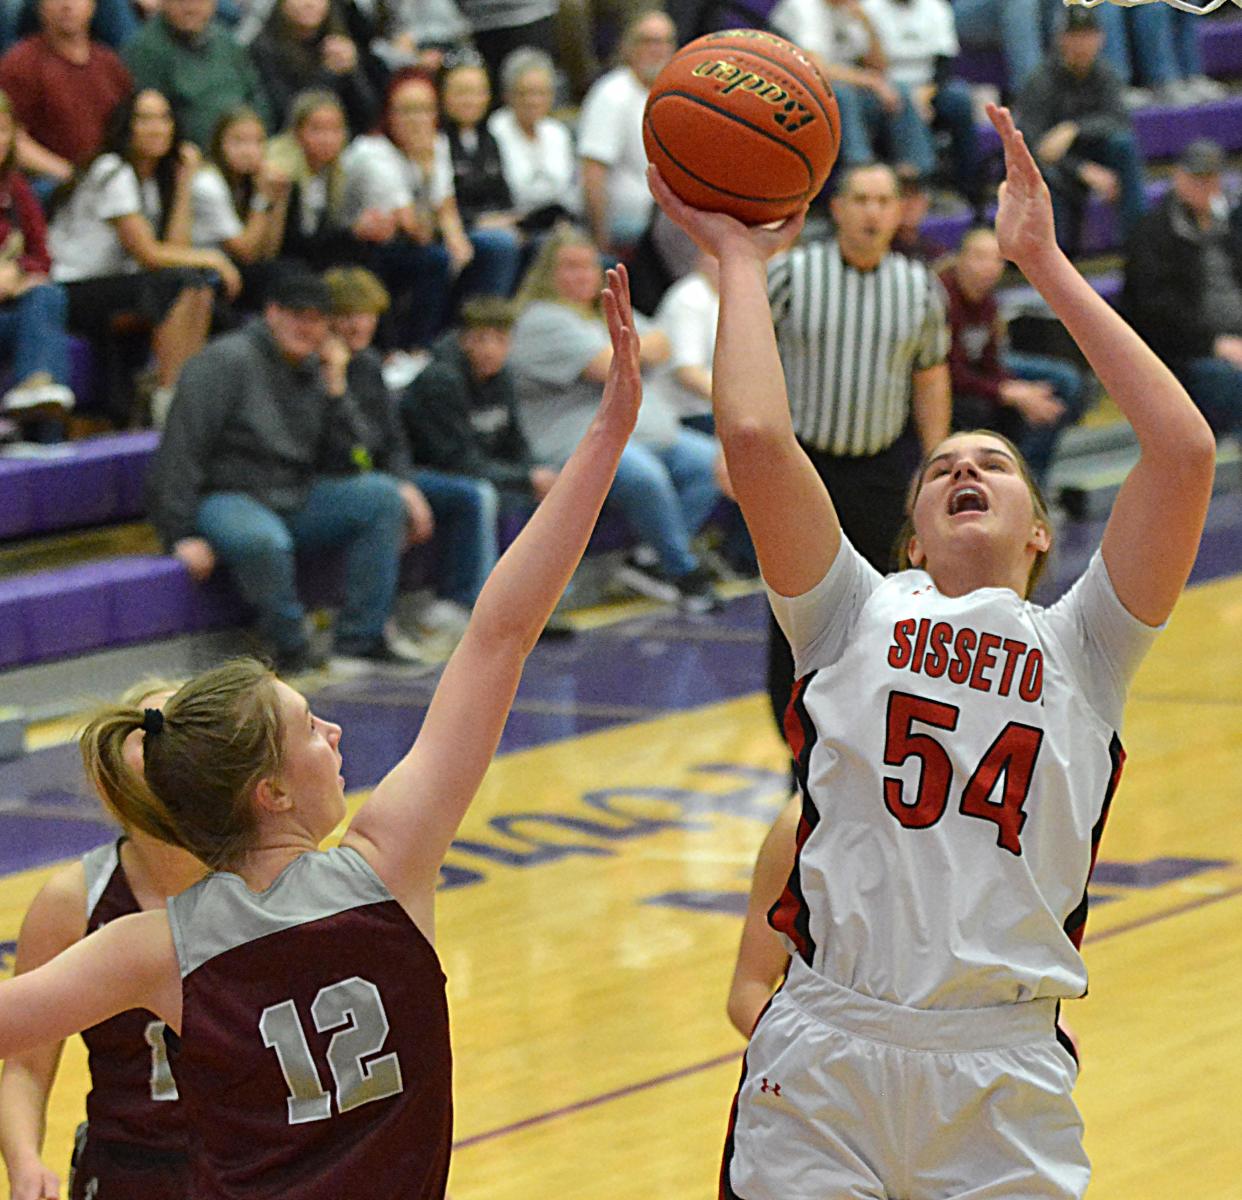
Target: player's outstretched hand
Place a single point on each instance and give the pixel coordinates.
(1024, 226)
(623, 389)
(715, 233)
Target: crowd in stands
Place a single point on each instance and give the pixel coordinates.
(348, 254)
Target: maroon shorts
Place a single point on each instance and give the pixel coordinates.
(121, 1171)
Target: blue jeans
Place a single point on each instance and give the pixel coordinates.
(1038, 443)
(666, 493)
(32, 330)
(865, 121)
(1013, 25)
(954, 111)
(1120, 153)
(494, 269)
(418, 278)
(1138, 42)
(1216, 388)
(363, 513)
(466, 510)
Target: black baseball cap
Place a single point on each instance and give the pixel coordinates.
(295, 286)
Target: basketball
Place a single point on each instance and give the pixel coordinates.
(742, 122)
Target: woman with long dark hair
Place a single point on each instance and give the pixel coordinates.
(120, 242)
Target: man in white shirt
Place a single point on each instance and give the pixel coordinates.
(610, 135)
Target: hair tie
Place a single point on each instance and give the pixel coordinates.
(152, 720)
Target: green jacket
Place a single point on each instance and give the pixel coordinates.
(203, 78)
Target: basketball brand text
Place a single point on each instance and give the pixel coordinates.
(984, 661)
(790, 114)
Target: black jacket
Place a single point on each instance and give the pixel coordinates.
(455, 423)
(1163, 293)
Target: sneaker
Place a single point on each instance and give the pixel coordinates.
(696, 593)
(380, 653)
(649, 581)
(1137, 97)
(1205, 90)
(445, 617)
(39, 391)
(299, 661)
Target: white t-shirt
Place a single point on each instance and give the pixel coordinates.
(832, 33)
(610, 131)
(541, 170)
(214, 219)
(913, 36)
(961, 756)
(688, 313)
(82, 239)
(378, 175)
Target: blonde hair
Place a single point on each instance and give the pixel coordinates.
(221, 734)
(356, 290)
(540, 280)
(1040, 505)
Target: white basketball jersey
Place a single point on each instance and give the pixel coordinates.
(958, 758)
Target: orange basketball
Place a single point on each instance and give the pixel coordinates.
(742, 122)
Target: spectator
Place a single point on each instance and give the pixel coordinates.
(863, 339)
(843, 42)
(1183, 286)
(910, 239)
(32, 309)
(1015, 26)
(610, 135)
(1030, 398)
(536, 150)
(193, 59)
(112, 22)
(461, 410)
(1074, 118)
(305, 45)
(238, 478)
(402, 206)
(919, 42)
(419, 33)
(501, 26)
(240, 202)
(309, 153)
(479, 185)
(667, 484)
(63, 88)
(458, 511)
(120, 243)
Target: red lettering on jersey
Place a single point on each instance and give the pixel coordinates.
(985, 660)
(899, 652)
(937, 650)
(1013, 649)
(1032, 686)
(920, 645)
(963, 646)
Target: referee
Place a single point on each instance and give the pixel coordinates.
(864, 341)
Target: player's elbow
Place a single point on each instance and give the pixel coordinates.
(752, 444)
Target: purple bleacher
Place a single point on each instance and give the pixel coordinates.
(1220, 43)
(97, 481)
(62, 613)
(981, 64)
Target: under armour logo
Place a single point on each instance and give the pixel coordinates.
(774, 1088)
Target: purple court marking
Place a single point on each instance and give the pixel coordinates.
(595, 1101)
(1153, 918)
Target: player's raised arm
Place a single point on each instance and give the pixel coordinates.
(129, 963)
(786, 506)
(1153, 533)
(406, 826)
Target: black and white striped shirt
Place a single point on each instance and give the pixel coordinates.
(850, 341)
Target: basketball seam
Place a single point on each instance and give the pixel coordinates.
(806, 162)
(776, 62)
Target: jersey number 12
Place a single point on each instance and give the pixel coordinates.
(356, 1005)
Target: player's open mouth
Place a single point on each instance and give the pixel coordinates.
(967, 499)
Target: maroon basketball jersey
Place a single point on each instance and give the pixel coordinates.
(314, 1055)
(133, 1099)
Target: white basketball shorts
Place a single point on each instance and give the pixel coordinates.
(848, 1098)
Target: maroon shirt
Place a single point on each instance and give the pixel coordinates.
(20, 214)
(64, 105)
(974, 352)
(133, 1100)
(314, 1054)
